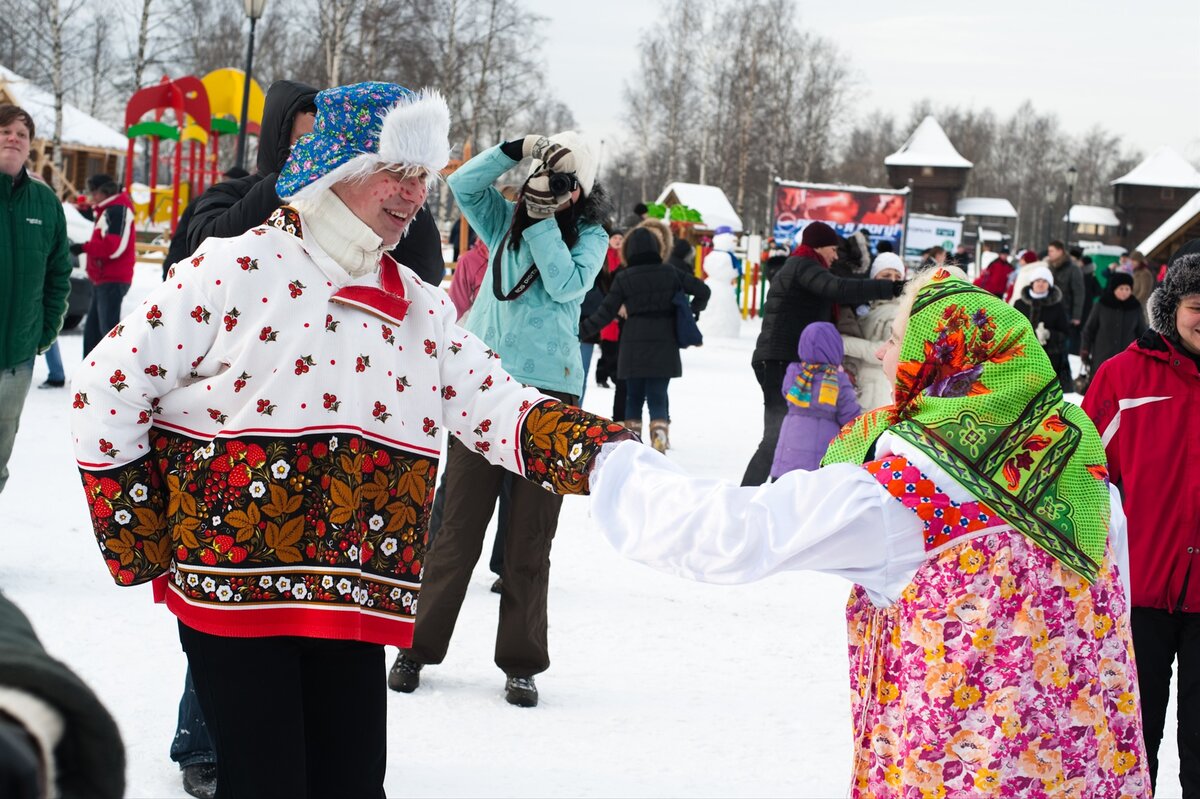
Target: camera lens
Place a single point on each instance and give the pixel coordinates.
(561, 184)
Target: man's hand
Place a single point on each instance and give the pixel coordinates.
(1075, 322)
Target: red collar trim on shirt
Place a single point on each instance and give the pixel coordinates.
(386, 301)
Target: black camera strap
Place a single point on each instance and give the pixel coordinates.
(522, 286)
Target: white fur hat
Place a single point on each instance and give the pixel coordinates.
(888, 260)
(586, 157)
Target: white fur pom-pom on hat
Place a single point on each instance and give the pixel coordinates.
(586, 157)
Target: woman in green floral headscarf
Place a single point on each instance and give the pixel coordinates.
(989, 633)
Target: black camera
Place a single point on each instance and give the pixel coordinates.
(562, 183)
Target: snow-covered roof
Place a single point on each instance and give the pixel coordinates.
(986, 206)
(927, 146)
(1164, 167)
(79, 129)
(1092, 215)
(990, 235)
(1177, 220)
(710, 201)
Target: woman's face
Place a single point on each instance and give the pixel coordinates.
(1123, 292)
(615, 241)
(888, 274)
(1187, 322)
(889, 354)
(1040, 286)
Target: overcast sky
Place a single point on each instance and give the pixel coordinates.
(1133, 67)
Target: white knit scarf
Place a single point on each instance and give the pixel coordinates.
(343, 236)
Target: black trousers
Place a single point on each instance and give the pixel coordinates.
(770, 378)
(472, 486)
(1159, 638)
(293, 718)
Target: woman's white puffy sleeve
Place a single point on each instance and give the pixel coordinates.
(836, 520)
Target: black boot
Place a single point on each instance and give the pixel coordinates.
(520, 691)
(200, 780)
(498, 586)
(405, 675)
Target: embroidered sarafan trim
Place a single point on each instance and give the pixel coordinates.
(944, 518)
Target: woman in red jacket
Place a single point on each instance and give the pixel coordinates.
(1140, 400)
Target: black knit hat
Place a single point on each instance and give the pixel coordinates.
(1183, 278)
(819, 234)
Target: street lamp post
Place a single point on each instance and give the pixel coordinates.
(1072, 176)
(1051, 194)
(254, 10)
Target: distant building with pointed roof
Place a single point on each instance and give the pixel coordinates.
(929, 164)
(1151, 192)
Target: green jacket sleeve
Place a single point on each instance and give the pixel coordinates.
(57, 282)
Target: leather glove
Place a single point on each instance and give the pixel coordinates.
(556, 157)
(539, 202)
(76, 249)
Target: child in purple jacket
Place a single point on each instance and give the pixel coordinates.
(820, 400)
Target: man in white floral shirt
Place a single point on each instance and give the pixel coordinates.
(260, 439)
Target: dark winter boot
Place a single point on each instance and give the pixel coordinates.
(200, 780)
(633, 425)
(498, 586)
(520, 691)
(405, 675)
(658, 434)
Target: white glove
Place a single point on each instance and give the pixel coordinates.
(1043, 335)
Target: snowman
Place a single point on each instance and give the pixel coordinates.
(722, 318)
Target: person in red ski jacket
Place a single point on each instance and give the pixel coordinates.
(1143, 403)
(995, 276)
(110, 253)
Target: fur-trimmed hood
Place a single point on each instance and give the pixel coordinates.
(1183, 278)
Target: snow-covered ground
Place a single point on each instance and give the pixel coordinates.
(659, 687)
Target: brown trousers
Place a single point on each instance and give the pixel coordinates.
(472, 486)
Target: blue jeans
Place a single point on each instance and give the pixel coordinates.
(55, 365)
(651, 391)
(585, 351)
(192, 744)
(14, 385)
(103, 313)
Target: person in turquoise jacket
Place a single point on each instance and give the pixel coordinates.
(35, 272)
(545, 251)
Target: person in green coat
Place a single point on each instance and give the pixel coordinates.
(35, 272)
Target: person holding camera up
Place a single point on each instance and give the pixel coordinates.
(545, 252)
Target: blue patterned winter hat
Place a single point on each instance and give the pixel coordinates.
(362, 127)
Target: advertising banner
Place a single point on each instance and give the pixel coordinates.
(925, 231)
(878, 213)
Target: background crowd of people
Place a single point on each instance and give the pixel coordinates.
(545, 256)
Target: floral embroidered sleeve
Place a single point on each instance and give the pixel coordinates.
(514, 426)
(116, 396)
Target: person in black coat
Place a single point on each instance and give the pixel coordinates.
(1116, 321)
(1042, 304)
(683, 257)
(231, 208)
(801, 292)
(52, 726)
(179, 248)
(645, 290)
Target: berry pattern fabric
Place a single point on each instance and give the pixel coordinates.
(254, 441)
